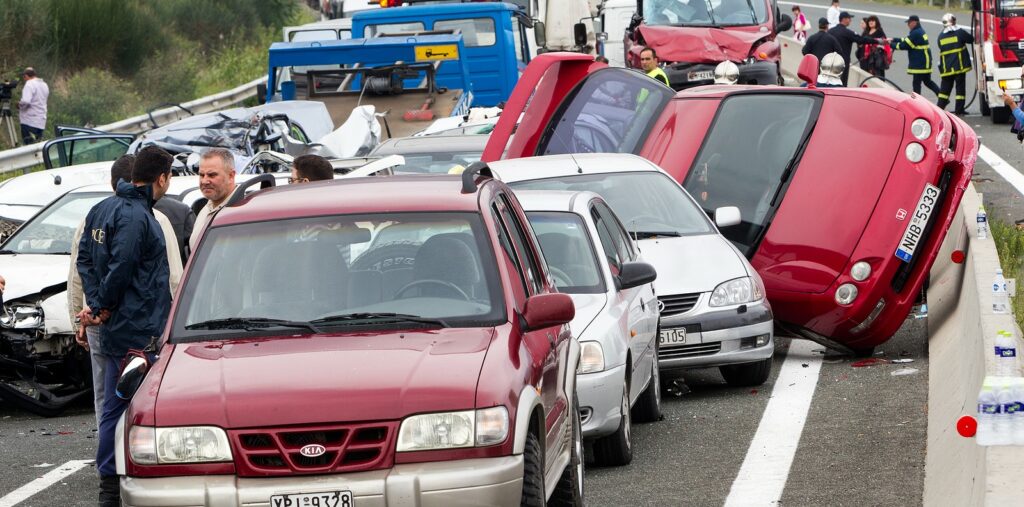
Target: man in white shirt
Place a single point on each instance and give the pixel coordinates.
(32, 107)
(833, 14)
(216, 182)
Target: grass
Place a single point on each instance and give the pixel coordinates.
(1009, 241)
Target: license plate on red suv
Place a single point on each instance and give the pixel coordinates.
(918, 220)
(325, 499)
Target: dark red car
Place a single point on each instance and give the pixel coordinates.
(845, 194)
(362, 342)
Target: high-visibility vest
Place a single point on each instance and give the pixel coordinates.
(953, 56)
(659, 74)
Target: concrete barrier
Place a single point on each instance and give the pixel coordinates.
(961, 328)
(792, 54)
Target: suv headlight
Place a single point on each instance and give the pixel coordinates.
(591, 357)
(187, 444)
(736, 291)
(21, 316)
(453, 430)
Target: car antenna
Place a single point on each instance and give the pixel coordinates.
(579, 168)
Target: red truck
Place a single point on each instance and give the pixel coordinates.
(389, 343)
(691, 38)
(845, 194)
(999, 51)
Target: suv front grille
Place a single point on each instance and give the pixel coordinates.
(684, 351)
(348, 448)
(678, 303)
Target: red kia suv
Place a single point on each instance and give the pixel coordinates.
(845, 194)
(363, 342)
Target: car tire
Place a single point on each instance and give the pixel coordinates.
(648, 407)
(864, 352)
(617, 449)
(533, 473)
(569, 490)
(747, 374)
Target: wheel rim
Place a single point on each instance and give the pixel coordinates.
(626, 422)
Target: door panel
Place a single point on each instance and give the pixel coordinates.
(84, 149)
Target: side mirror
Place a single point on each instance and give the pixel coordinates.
(546, 310)
(808, 70)
(635, 274)
(727, 216)
(784, 23)
(131, 377)
(579, 34)
(538, 34)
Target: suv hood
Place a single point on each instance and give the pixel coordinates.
(691, 264)
(701, 45)
(29, 274)
(269, 382)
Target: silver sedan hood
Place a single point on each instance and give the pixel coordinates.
(691, 264)
(29, 274)
(588, 306)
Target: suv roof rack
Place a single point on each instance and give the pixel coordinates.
(266, 180)
(469, 176)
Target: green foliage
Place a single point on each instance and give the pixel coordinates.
(93, 97)
(101, 33)
(1009, 240)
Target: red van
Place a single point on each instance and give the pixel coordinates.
(362, 342)
(845, 194)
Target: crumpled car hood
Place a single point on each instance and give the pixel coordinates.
(28, 274)
(701, 45)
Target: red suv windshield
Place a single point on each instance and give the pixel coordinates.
(705, 12)
(390, 270)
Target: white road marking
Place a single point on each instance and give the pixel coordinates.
(1004, 169)
(765, 469)
(879, 14)
(49, 479)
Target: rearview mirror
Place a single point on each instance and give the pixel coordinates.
(635, 274)
(546, 310)
(538, 34)
(131, 377)
(784, 23)
(579, 34)
(727, 216)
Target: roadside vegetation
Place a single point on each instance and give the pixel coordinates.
(106, 60)
(1009, 240)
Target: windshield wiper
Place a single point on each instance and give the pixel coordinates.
(379, 316)
(251, 324)
(655, 234)
(7, 252)
(753, 15)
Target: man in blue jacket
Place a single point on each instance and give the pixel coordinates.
(919, 55)
(122, 260)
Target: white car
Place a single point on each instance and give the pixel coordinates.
(714, 311)
(591, 258)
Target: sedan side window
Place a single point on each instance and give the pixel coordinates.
(611, 253)
(619, 234)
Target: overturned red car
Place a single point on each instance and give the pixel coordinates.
(845, 194)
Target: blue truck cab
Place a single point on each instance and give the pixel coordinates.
(494, 33)
(397, 75)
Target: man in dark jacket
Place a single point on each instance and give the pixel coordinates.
(122, 260)
(919, 55)
(846, 38)
(182, 219)
(821, 43)
(954, 62)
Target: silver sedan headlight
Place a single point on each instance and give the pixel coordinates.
(591, 357)
(19, 316)
(736, 292)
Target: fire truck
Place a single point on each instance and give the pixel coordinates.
(999, 52)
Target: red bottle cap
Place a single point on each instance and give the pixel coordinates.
(958, 256)
(967, 426)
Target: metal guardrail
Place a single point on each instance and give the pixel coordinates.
(24, 157)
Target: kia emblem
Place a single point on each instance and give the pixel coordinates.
(901, 214)
(312, 450)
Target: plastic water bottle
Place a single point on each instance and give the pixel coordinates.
(1006, 354)
(1018, 413)
(987, 410)
(1000, 297)
(982, 222)
(1004, 416)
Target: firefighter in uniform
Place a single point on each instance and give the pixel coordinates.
(954, 62)
(919, 55)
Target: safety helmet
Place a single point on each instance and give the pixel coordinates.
(832, 65)
(727, 73)
(948, 19)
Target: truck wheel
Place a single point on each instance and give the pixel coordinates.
(569, 490)
(1000, 115)
(648, 407)
(533, 473)
(983, 102)
(747, 374)
(617, 449)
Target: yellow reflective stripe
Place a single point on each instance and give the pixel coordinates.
(951, 51)
(943, 96)
(948, 40)
(961, 97)
(919, 71)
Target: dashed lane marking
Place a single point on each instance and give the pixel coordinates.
(765, 469)
(49, 479)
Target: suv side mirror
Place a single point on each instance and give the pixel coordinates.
(727, 216)
(131, 377)
(546, 310)
(579, 34)
(784, 23)
(538, 34)
(635, 274)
